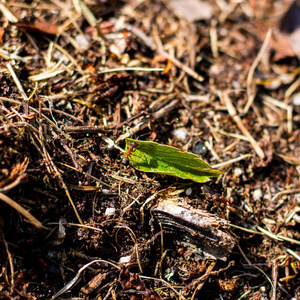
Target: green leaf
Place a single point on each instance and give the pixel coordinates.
(162, 159)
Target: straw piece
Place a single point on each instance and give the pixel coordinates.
(240, 124)
(21, 210)
(250, 90)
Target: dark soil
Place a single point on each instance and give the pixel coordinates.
(77, 79)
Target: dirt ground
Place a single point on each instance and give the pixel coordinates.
(216, 78)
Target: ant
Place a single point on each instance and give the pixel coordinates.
(125, 159)
(219, 201)
(211, 196)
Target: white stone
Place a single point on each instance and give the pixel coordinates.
(179, 133)
(110, 211)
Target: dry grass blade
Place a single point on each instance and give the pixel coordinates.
(10, 259)
(17, 81)
(237, 119)
(74, 280)
(8, 14)
(231, 161)
(203, 278)
(250, 89)
(21, 210)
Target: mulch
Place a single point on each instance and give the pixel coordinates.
(78, 78)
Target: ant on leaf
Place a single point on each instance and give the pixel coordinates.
(125, 159)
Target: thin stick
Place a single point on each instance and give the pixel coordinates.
(269, 234)
(237, 119)
(132, 69)
(234, 135)
(48, 160)
(147, 41)
(19, 86)
(250, 90)
(51, 166)
(274, 276)
(37, 111)
(10, 260)
(21, 210)
(246, 229)
(294, 254)
(77, 225)
(232, 161)
(214, 39)
(74, 280)
(12, 185)
(203, 278)
(286, 192)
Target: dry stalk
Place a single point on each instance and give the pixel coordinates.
(77, 225)
(283, 105)
(51, 167)
(237, 119)
(21, 210)
(274, 277)
(144, 123)
(147, 41)
(10, 260)
(19, 86)
(203, 278)
(232, 161)
(250, 86)
(286, 192)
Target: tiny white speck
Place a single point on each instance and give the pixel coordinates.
(237, 172)
(125, 259)
(296, 99)
(257, 194)
(180, 133)
(110, 211)
(296, 218)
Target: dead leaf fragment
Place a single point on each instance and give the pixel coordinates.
(2, 31)
(38, 26)
(130, 280)
(191, 10)
(286, 40)
(280, 43)
(17, 170)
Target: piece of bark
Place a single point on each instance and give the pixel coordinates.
(94, 283)
(203, 234)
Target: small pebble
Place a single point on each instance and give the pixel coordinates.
(199, 148)
(179, 133)
(296, 218)
(257, 194)
(296, 99)
(237, 172)
(82, 41)
(107, 191)
(110, 211)
(125, 259)
(188, 191)
(297, 197)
